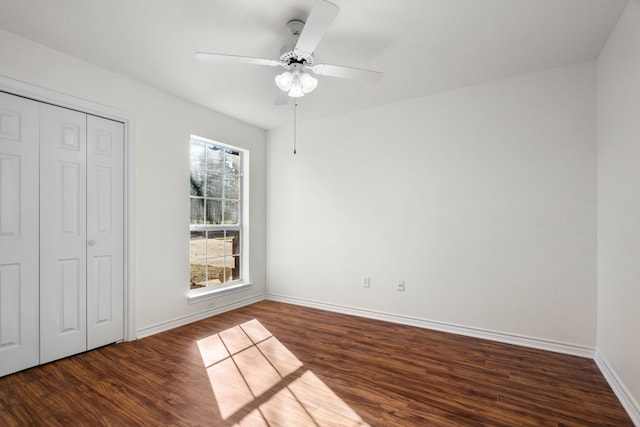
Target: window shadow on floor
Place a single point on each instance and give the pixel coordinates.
(257, 381)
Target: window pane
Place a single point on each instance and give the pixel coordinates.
(197, 155)
(235, 274)
(197, 168)
(228, 271)
(214, 185)
(198, 273)
(215, 243)
(231, 212)
(231, 187)
(214, 211)
(232, 162)
(197, 245)
(197, 211)
(233, 239)
(197, 182)
(215, 156)
(215, 267)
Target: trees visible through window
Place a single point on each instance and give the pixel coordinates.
(216, 229)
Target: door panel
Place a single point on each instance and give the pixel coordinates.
(9, 305)
(70, 295)
(63, 275)
(105, 231)
(10, 171)
(18, 234)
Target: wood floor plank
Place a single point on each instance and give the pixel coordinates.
(277, 364)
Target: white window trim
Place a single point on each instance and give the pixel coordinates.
(203, 294)
(210, 292)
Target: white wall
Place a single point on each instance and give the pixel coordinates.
(482, 199)
(164, 124)
(619, 202)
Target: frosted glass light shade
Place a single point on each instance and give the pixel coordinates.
(296, 90)
(284, 80)
(308, 82)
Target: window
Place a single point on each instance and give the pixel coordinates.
(216, 215)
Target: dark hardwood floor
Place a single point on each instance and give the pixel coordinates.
(278, 364)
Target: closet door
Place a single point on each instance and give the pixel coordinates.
(63, 238)
(105, 231)
(18, 233)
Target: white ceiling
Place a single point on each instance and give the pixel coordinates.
(422, 46)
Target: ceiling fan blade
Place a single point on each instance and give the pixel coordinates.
(347, 72)
(221, 57)
(318, 22)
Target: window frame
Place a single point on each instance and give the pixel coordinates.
(207, 292)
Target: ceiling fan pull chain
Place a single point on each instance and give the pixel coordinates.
(295, 131)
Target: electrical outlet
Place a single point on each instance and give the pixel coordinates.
(400, 285)
(366, 281)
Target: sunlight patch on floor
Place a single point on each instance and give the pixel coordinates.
(257, 381)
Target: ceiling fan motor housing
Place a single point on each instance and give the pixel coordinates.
(295, 27)
(288, 54)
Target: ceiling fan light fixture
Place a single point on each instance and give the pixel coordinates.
(296, 82)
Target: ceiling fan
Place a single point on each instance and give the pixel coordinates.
(297, 56)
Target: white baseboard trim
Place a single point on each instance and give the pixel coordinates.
(630, 404)
(521, 340)
(181, 321)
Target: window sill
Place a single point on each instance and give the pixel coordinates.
(203, 294)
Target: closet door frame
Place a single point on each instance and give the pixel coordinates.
(36, 93)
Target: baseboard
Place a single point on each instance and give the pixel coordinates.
(181, 321)
(537, 343)
(630, 404)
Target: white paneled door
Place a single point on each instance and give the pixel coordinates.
(61, 232)
(18, 234)
(105, 231)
